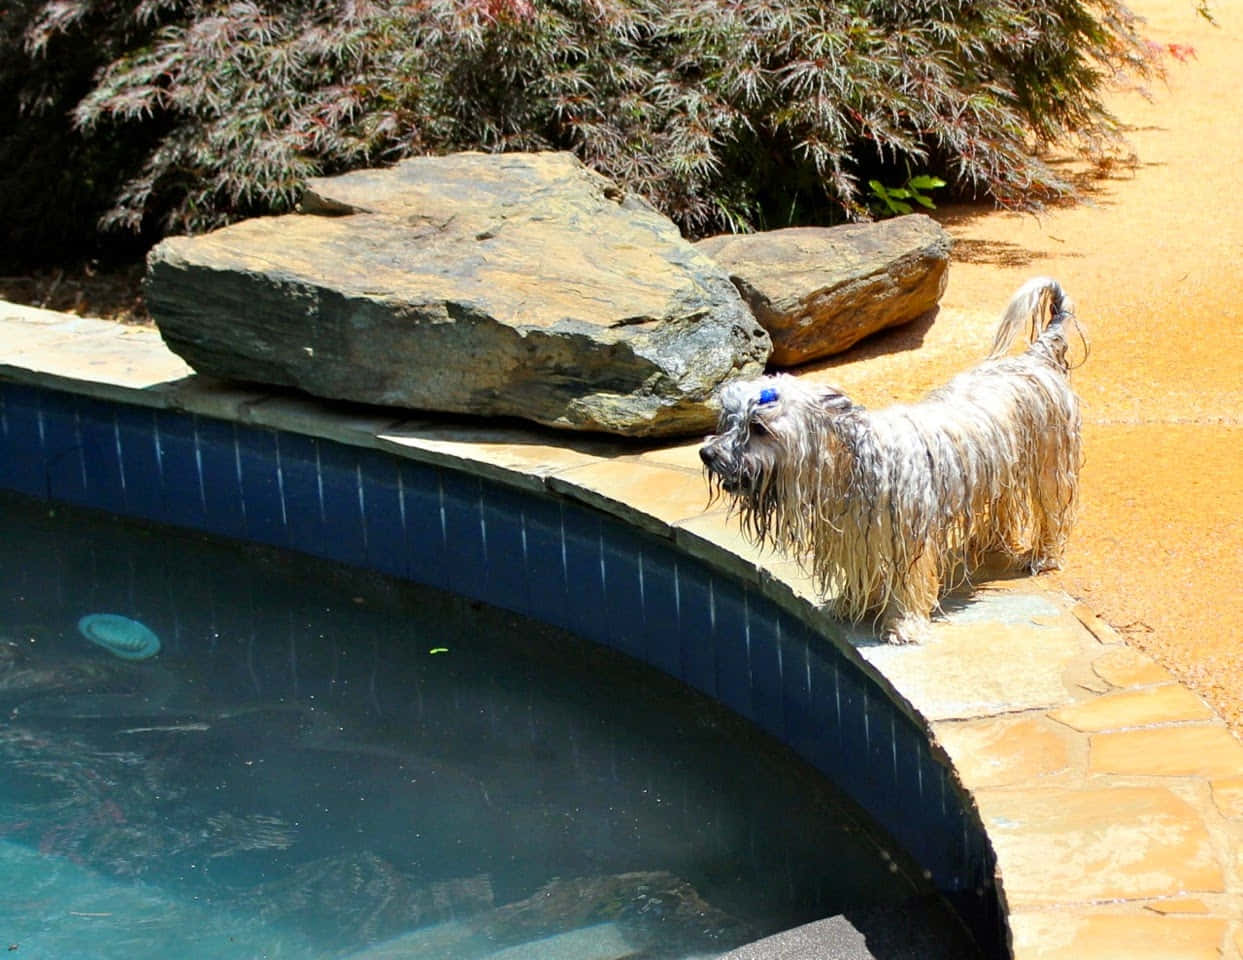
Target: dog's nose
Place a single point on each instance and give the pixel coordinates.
(707, 454)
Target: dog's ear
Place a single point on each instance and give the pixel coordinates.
(833, 400)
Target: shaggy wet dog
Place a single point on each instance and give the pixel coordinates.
(888, 508)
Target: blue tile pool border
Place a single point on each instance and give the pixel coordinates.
(549, 558)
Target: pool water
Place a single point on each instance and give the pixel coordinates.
(321, 762)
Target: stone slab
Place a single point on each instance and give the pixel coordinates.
(1228, 797)
(97, 358)
(511, 455)
(520, 285)
(1201, 750)
(1007, 751)
(1134, 708)
(647, 495)
(1001, 606)
(714, 536)
(982, 668)
(1098, 844)
(1127, 667)
(1098, 627)
(819, 290)
(221, 399)
(1067, 936)
(683, 455)
(12, 313)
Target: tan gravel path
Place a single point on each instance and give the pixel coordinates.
(1155, 264)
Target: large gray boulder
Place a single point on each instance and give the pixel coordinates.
(517, 284)
(819, 290)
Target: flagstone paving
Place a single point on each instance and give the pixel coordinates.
(1112, 794)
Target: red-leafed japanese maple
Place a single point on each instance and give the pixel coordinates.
(179, 115)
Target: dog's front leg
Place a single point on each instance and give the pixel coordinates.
(900, 627)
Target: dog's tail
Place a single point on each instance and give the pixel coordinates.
(1039, 305)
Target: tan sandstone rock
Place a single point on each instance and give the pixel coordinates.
(819, 290)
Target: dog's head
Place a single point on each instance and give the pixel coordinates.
(767, 424)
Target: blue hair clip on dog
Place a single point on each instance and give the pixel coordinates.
(768, 395)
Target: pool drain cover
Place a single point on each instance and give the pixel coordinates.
(120, 636)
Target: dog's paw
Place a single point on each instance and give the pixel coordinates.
(909, 628)
(1044, 564)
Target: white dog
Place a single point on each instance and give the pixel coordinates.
(884, 507)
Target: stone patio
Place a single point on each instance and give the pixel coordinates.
(1112, 795)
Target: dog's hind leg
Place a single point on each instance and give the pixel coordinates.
(1054, 495)
(1049, 542)
(907, 613)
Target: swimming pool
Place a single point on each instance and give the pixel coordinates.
(321, 762)
(547, 558)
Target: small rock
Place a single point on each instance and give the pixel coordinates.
(819, 290)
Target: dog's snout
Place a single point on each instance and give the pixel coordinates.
(712, 455)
